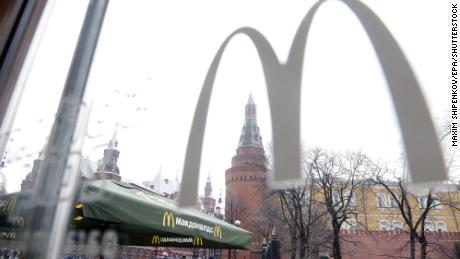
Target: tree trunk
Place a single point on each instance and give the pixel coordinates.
(336, 252)
(293, 247)
(412, 245)
(302, 245)
(423, 244)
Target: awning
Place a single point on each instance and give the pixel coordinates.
(139, 217)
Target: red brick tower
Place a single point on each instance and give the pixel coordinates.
(209, 203)
(107, 167)
(245, 179)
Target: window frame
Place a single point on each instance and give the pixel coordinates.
(444, 229)
(381, 224)
(380, 196)
(429, 223)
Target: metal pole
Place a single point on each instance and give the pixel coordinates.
(16, 60)
(55, 188)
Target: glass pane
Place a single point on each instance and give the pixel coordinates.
(24, 156)
(145, 82)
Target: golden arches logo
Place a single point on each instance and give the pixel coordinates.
(168, 219)
(217, 231)
(11, 235)
(18, 221)
(197, 241)
(156, 240)
(8, 203)
(283, 82)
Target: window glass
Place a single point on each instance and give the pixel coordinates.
(336, 200)
(436, 202)
(422, 202)
(381, 202)
(441, 226)
(397, 225)
(392, 202)
(350, 224)
(429, 226)
(145, 80)
(351, 197)
(384, 225)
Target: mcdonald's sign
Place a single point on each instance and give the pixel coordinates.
(217, 231)
(197, 241)
(168, 219)
(156, 240)
(18, 221)
(8, 235)
(8, 203)
(283, 82)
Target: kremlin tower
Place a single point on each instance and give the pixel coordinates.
(107, 167)
(208, 202)
(245, 179)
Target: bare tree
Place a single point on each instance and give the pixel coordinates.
(267, 218)
(299, 216)
(413, 208)
(305, 218)
(338, 176)
(235, 208)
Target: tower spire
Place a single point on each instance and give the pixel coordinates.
(113, 143)
(108, 167)
(250, 135)
(208, 187)
(251, 112)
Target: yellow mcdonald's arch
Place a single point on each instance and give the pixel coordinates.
(18, 221)
(198, 241)
(8, 203)
(168, 219)
(9, 235)
(217, 231)
(156, 240)
(283, 88)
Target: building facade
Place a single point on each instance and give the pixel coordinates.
(377, 228)
(106, 168)
(377, 210)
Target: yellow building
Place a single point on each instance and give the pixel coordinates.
(376, 209)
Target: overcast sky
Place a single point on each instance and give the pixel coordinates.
(153, 56)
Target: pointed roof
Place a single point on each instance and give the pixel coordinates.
(250, 134)
(114, 141)
(164, 185)
(250, 99)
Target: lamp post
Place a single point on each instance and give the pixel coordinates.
(265, 249)
(237, 223)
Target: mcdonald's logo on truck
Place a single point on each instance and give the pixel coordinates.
(168, 219)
